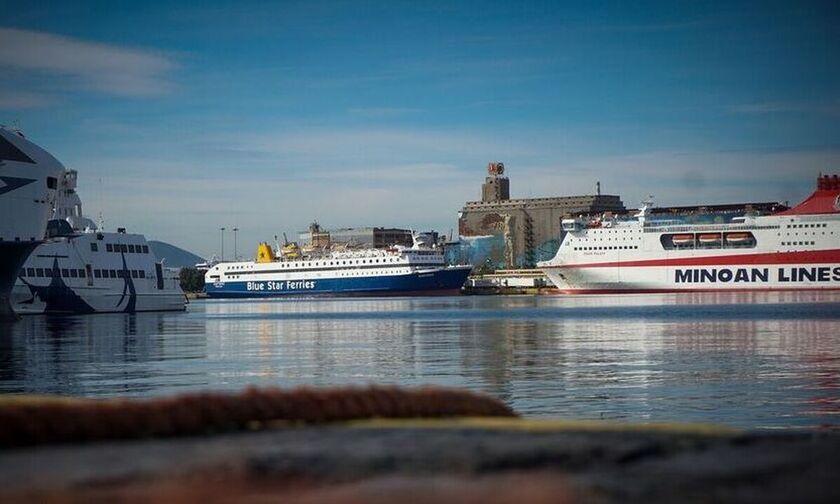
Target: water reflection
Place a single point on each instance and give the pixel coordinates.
(112, 354)
(754, 359)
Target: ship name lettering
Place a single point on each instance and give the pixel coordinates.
(300, 284)
(279, 286)
(814, 274)
(714, 275)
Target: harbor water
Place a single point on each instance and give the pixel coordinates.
(755, 360)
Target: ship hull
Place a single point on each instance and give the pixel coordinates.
(12, 257)
(444, 281)
(95, 273)
(658, 279)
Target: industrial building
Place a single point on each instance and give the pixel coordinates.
(500, 232)
(361, 237)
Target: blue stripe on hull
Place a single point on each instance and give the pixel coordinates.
(415, 283)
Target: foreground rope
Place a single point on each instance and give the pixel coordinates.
(28, 420)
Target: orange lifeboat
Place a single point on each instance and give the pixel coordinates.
(682, 239)
(738, 238)
(709, 239)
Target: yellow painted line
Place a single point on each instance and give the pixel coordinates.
(534, 425)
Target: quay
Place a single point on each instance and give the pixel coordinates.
(384, 445)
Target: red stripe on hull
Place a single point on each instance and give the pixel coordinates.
(801, 257)
(677, 291)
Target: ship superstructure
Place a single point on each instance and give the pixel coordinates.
(28, 184)
(398, 270)
(794, 249)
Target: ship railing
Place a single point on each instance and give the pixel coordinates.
(706, 228)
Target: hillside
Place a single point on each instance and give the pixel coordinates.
(175, 257)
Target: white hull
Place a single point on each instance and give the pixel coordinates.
(66, 275)
(102, 301)
(811, 276)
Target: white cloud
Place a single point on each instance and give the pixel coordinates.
(100, 67)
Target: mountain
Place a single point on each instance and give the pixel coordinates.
(175, 257)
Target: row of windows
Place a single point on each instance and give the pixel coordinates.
(79, 273)
(799, 243)
(806, 225)
(294, 268)
(341, 273)
(48, 273)
(298, 265)
(121, 247)
(616, 247)
(105, 273)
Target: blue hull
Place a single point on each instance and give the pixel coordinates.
(444, 281)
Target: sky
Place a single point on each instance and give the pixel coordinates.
(183, 117)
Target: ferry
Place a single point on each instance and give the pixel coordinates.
(398, 270)
(794, 249)
(82, 269)
(28, 190)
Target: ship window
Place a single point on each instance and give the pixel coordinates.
(94, 247)
(142, 273)
(134, 273)
(124, 248)
(145, 249)
(39, 272)
(81, 273)
(65, 273)
(97, 273)
(30, 272)
(112, 273)
(109, 247)
(131, 249)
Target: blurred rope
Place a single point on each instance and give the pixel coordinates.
(31, 420)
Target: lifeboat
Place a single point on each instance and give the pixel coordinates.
(709, 239)
(738, 238)
(682, 239)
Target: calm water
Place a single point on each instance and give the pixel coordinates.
(751, 360)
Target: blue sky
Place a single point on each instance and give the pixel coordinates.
(183, 117)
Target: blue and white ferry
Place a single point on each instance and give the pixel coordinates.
(398, 270)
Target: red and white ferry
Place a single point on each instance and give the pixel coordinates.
(794, 249)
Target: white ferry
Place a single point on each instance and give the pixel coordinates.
(81, 269)
(28, 187)
(794, 249)
(398, 270)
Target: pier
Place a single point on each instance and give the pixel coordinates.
(341, 453)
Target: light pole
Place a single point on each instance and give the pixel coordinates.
(235, 251)
(222, 231)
